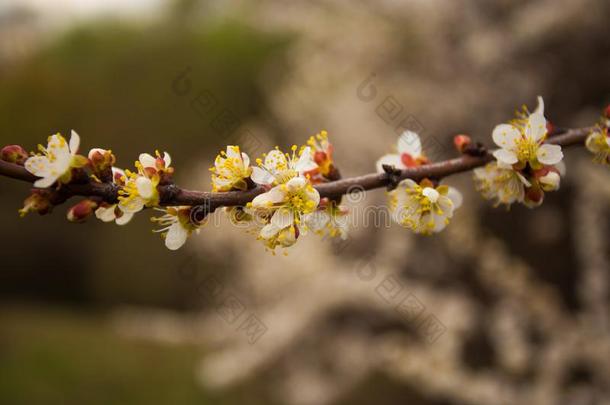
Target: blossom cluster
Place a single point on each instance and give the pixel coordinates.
(425, 207)
(286, 203)
(286, 207)
(290, 206)
(526, 166)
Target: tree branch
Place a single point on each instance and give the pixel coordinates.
(172, 195)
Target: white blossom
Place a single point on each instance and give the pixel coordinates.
(278, 168)
(598, 143)
(409, 153)
(55, 162)
(522, 142)
(176, 226)
(285, 205)
(423, 208)
(231, 169)
(140, 189)
(113, 212)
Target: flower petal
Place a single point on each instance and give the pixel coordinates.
(549, 154)
(275, 161)
(176, 237)
(305, 162)
(167, 159)
(391, 160)
(125, 218)
(260, 176)
(59, 153)
(523, 180)
(269, 231)
(540, 108)
(246, 159)
(106, 214)
(296, 183)
(317, 220)
(282, 218)
(506, 136)
(147, 160)
(409, 142)
(38, 166)
(132, 206)
(145, 187)
(233, 152)
(536, 127)
(313, 195)
(431, 194)
(74, 142)
(456, 197)
(440, 222)
(505, 156)
(45, 182)
(265, 200)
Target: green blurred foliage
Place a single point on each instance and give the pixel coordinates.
(113, 83)
(119, 85)
(69, 358)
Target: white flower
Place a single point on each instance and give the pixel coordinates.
(156, 163)
(525, 166)
(56, 161)
(231, 169)
(522, 142)
(279, 168)
(505, 186)
(274, 236)
(176, 226)
(409, 153)
(598, 143)
(331, 220)
(113, 212)
(285, 205)
(423, 208)
(139, 192)
(140, 189)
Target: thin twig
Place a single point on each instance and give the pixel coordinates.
(172, 195)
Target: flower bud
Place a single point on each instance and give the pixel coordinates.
(550, 128)
(607, 111)
(462, 142)
(533, 196)
(548, 178)
(39, 201)
(550, 181)
(14, 154)
(81, 211)
(101, 163)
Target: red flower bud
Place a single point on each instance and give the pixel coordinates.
(101, 161)
(408, 160)
(550, 128)
(607, 111)
(534, 195)
(39, 201)
(319, 157)
(81, 211)
(462, 142)
(14, 154)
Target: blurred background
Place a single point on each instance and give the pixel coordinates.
(501, 308)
